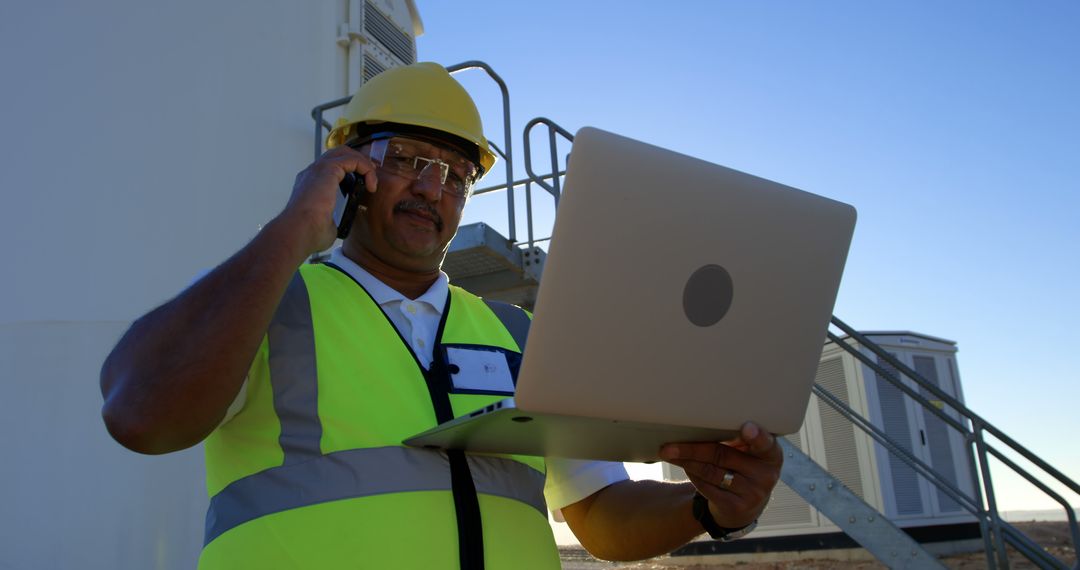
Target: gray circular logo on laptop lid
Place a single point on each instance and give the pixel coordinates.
(707, 296)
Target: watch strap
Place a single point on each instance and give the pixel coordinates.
(717, 532)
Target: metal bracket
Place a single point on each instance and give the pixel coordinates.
(348, 33)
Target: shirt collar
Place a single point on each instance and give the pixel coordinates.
(382, 293)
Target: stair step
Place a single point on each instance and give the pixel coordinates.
(485, 263)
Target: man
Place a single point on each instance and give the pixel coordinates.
(304, 382)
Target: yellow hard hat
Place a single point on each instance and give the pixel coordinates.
(419, 95)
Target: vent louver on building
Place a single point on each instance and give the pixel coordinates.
(897, 426)
(841, 454)
(371, 67)
(380, 27)
(786, 507)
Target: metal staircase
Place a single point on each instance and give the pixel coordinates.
(509, 269)
(997, 534)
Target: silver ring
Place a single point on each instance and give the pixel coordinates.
(728, 479)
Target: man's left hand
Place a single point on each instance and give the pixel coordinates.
(736, 476)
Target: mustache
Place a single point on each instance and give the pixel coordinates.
(415, 205)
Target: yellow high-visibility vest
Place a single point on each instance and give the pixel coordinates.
(312, 474)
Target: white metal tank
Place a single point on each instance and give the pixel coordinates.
(143, 143)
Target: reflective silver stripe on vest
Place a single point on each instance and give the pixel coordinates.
(362, 473)
(293, 376)
(514, 319)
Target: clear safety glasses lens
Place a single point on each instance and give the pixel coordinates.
(405, 157)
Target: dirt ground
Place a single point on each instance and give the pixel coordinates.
(1054, 536)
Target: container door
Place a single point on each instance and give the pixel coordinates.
(942, 446)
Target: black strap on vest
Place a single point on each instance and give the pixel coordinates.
(470, 526)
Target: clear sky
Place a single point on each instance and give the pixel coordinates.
(953, 127)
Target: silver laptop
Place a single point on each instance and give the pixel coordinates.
(680, 299)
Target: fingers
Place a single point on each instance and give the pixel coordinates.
(752, 441)
(737, 476)
(736, 496)
(371, 180)
(760, 442)
(316, 187)
(718, 455)
(734, 477)
(732, 509)
(343, 160)
(748, 476)
(315, 193)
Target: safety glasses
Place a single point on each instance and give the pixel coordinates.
(414, 160)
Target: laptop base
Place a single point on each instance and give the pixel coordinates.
(503, 428)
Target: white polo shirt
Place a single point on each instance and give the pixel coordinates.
(417, 320)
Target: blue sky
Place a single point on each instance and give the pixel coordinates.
(954, 128)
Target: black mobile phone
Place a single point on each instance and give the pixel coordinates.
(352, 188)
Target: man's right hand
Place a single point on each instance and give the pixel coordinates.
(170, 379)
(310, 210)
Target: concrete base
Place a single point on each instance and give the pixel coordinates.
(856, 554)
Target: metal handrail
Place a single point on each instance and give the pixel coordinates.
(507, 138)
(320, 123)
(553, 128)
(1020, 541)
(958, 406)
(554, 189)
(909, 391)
(516, 183)
(973, 435)
(894, 447)
(926, 404)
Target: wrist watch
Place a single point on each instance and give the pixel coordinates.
(703, 516)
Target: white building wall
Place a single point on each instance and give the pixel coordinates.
(70, 497)
(140, 143)
(144, 141)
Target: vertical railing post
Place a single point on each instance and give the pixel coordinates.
(507, 139)
(991, 500)
(317, 113)
(529, 214)
(983, 514)
(554, 165)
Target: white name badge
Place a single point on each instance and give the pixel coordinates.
(479, 370)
